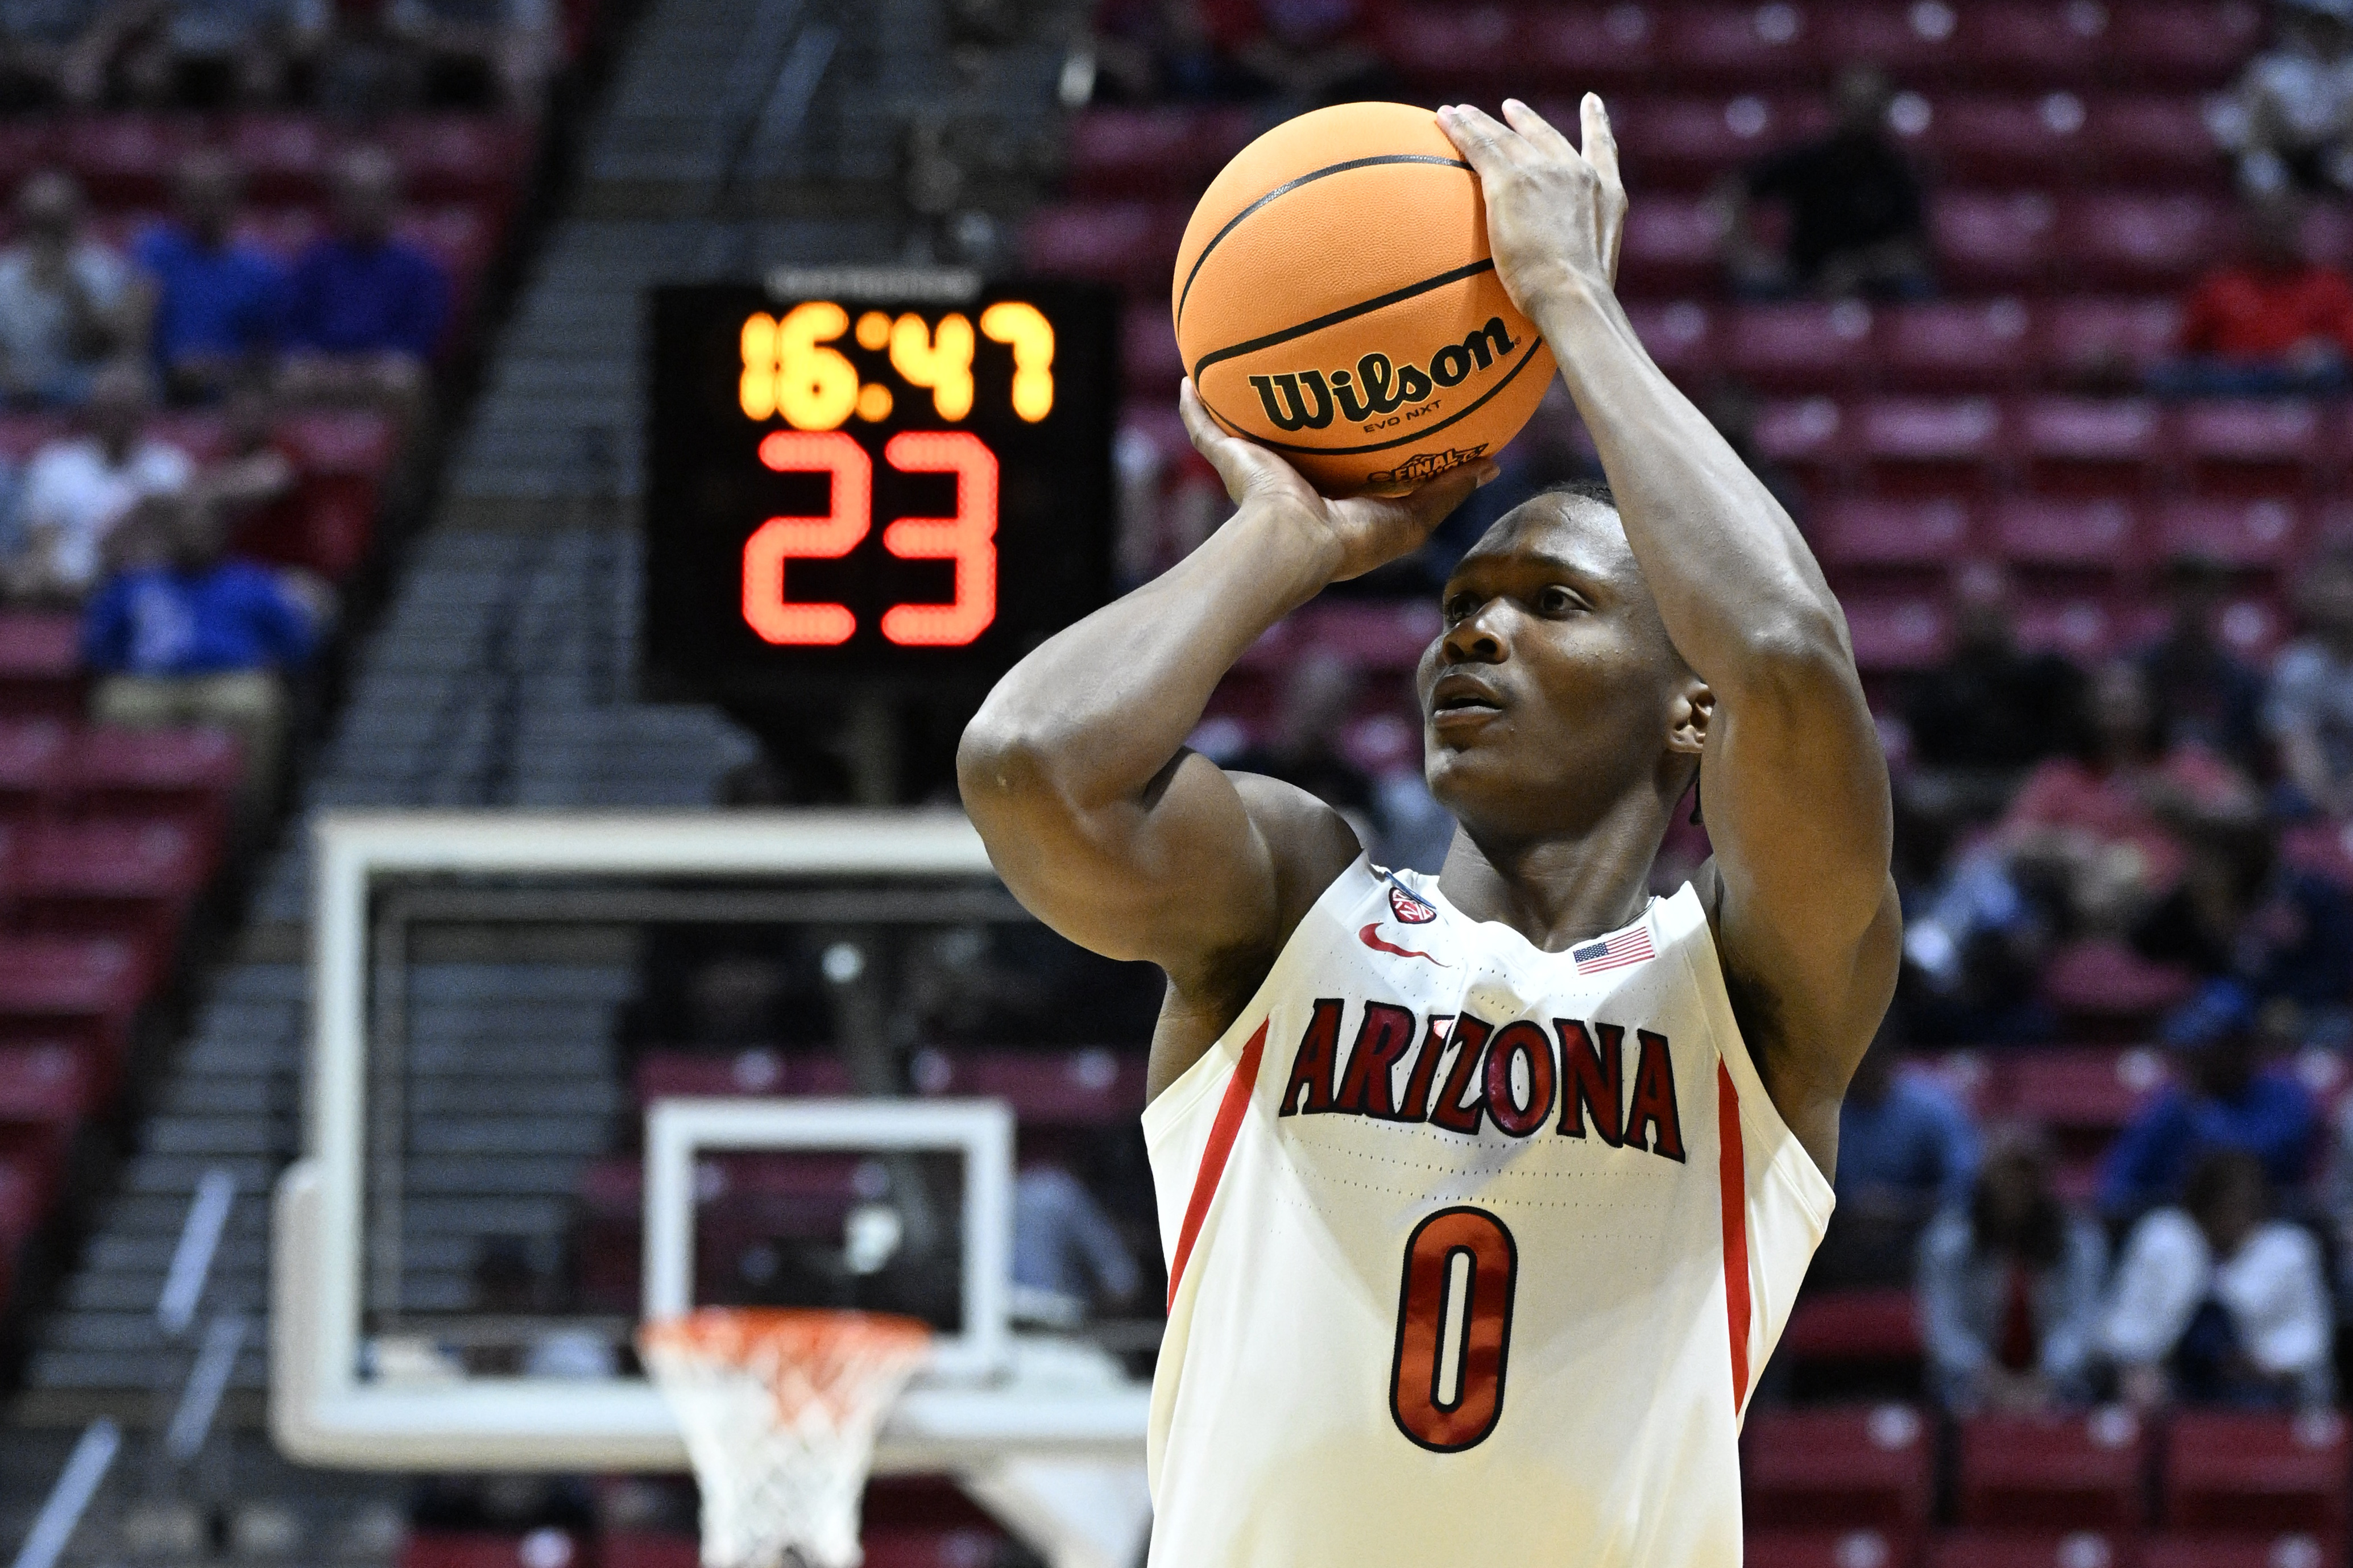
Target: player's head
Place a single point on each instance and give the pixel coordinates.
(1555, 694)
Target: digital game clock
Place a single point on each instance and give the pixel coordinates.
(898, 478)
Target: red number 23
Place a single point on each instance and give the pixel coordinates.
(969, 539)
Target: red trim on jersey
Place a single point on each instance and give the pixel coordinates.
(1732, 1170)
(1222, 1132)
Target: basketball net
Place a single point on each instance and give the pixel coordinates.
(780, 1407)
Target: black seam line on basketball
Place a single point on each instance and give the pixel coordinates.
(1285, 189)
(1518, 365)
(1362, 307)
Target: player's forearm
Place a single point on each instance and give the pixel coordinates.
(1734, 579)
(1096, 713)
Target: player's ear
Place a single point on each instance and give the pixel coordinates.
(1688, 719)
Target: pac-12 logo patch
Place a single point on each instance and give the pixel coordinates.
(1410, 910)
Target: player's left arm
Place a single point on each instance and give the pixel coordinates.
(1792, 783)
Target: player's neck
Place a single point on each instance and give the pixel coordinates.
(1559, 890)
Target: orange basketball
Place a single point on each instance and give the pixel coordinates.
(1334, 300)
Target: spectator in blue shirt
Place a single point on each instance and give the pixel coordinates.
(1906, 1149)
(366, 310)
(219, 301)
(2221, 1098)
(182, 634)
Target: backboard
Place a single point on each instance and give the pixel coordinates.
(446, 1075)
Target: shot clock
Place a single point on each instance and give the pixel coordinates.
(892, 484)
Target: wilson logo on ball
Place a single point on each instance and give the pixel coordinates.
(1305, 399)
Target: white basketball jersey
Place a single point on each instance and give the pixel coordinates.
(1474, 1250)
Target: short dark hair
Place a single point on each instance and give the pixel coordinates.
(1581, 490)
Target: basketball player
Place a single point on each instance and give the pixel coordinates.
(1485, 1195)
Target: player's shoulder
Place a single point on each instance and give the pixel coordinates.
(1307, 842)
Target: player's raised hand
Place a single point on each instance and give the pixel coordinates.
(1363, 532)
(1554, 214)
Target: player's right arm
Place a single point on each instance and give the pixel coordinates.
(1075, 769)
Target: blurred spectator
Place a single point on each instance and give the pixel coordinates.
(2203, 694)
(79, 489)
(2292, 121)
(182, 635)
(1906, 1150)
(1857, 221)
(2309, 712)
(1303, 53)
(1154, 50)
(2273, 324)
(2128, 835)
(219, 301)
(480, 54)
(2294, 946)
(55, 51)
(2010, 1287)
(1069, 1258)
(2221, 1098)
(209, 53)
(253, 486)
(67, 303)
(2215, 1303)
(1305, 747)
(1989, 708)
(364, 310)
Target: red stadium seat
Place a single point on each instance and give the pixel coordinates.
(40, 665)
(2183, 43)
(2245, 447)
(2088, 447)
(1680, 336)
(2253, 626)
(29, 1160)
(1956, 347)
(1672, 247)
(1987, 240)
(460, 157)
(2008, 43)
(1819, 1548)
(2087, 628)
(2109, 990)
(284, 232)
(1839, 1469)
(2290, 1550)
(1743, 46)
(451, 1549)
(284, 155)
(2006, 141)
(43, 1084)
(1157, 152)
(1577, 48)
(1854, 1325)
(108, 876)
(1864, 534)
(2140, 241)
(2108, 342)
(127, 160)
(186, 773)
(1894, 633)
(1688, 141)
(1132, 243)
(2256, 1474)
(1807, 437)
(1796, 347)
(2094, 537)
(340, 441)
(32, 750)
(643, 1548)
(1913, 43)
(2055, 1473)
(27, 143)
(2152, 139)
(1090, 1087)
(898, 1547)
(84, 989)
(1454, 50)
(2249, 535)
(2005, 1549)
(1924, 446)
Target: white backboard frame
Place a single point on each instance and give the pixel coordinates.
(323, 1412)
(981, 1131)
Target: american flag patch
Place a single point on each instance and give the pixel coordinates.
(1614, 952)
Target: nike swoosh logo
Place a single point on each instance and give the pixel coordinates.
(1370, 937)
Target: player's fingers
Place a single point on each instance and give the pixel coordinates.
(1226, 453)
(1600, 139)
(1490, 146)
(1536, 130)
